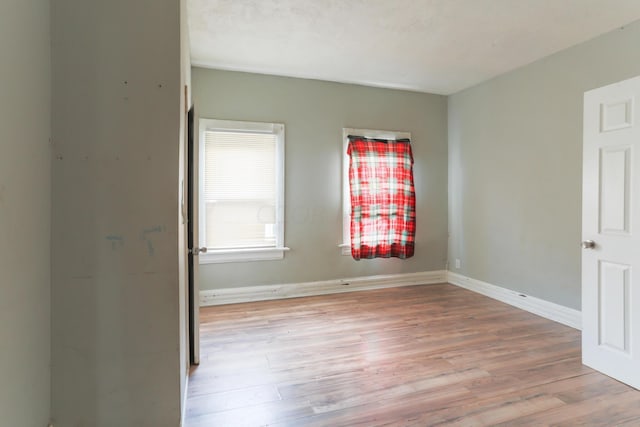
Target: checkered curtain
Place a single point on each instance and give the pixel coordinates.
(383, 200)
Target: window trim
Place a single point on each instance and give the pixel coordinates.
(243, 254)
(346, 193)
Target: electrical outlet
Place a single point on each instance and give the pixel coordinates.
(457, 263)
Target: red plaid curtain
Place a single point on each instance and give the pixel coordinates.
(383, 200)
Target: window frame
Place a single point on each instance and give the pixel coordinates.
(346, 191)
(243, 254)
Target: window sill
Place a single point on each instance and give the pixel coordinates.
(242, 255)
(345, 248)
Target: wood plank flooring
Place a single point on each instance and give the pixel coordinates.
(434, 355)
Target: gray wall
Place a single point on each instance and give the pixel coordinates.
(116, 130)
(314, 114)
(515, 165)
(25, 207)
(185, 102)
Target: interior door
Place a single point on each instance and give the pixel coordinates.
(192, 239)
(611, 231)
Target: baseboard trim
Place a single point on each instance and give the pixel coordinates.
(294, 290)
(183, 409)
(558, 313)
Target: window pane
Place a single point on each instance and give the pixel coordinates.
(240, 189)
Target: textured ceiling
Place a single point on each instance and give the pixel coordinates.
(437, 46)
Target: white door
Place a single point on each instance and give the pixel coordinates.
(611, 231)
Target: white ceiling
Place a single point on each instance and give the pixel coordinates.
(437, 46)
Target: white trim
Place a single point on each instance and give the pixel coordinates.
(293, 290)
(346, 194)
(183, 410)
(213, 256)
(549, 310)
(241, 126)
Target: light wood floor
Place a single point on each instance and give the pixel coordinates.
(412, 356)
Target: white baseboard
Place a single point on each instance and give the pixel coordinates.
(183, 409)
(293, 290)
(558, 313)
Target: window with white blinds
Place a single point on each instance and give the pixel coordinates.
(242, 190)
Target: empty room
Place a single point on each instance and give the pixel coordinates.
(319, 213)
(320, 324)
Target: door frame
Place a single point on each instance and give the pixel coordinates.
(192, 239)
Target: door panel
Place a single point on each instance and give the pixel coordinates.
(611, 254)
(613, 323)
(614, 184)
(192, 239)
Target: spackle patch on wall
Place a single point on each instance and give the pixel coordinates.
(117, 241)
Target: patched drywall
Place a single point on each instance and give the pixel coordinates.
(116, 130)
(25, 208)
(185, 104)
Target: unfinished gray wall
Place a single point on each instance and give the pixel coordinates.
(116, 130)
(314, 114)
(185, 103)
(515, 168)
(25, 208)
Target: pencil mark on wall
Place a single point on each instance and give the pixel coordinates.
(155, 229)
(146, 235)
(116, 240)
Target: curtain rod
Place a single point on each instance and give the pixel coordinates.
(405, 140)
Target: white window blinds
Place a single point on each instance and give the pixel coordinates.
(240, 189)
